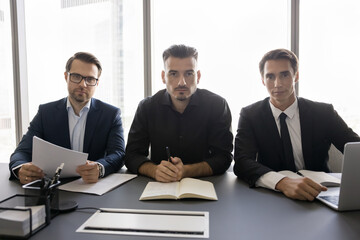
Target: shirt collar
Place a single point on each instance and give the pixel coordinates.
(166, 99)
(68, 106)
(290, 111)
(195, 99)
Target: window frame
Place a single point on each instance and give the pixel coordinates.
(20, 61)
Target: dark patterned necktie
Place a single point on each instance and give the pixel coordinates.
(289, 163)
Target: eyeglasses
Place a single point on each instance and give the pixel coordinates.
(77, 78)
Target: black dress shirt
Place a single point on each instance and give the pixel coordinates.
(201, 133)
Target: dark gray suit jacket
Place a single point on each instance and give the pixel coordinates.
(103, 139)
(258, 138)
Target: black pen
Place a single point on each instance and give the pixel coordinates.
(168, 153)
(299, 173)
(42, 183)
(57, 174)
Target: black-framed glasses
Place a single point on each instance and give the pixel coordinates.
(77, 78)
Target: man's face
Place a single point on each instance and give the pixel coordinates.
(80, 92)
(279, 79)
(181, 77)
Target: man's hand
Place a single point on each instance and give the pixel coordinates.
(89, 172)
(164, 172)
(28, 172)
(300, 188)
(180, 166)
(175, 170)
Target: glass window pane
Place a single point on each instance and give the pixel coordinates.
(329, 50)
(231, 37)
(7, 114)
(110, 29)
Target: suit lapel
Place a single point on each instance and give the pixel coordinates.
(62, 123)
(91, 123)
(306, 132)
(271, 127)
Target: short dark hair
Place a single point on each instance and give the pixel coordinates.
(85, 57)
(280, 53)
(180, 51)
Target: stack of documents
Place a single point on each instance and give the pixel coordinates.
(322, 178)
(102, 186)
(44, 151)
(17, 223)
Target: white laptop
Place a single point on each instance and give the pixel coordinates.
(347, 196)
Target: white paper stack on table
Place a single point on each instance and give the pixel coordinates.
(104, 185)
(322, 178)
(17, 223)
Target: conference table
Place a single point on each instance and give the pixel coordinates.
(239, 213)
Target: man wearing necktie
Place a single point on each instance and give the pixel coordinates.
(286, 132)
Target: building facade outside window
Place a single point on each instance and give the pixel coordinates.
(110, 29)
(329, 55)
(231, 38)
(7, 113)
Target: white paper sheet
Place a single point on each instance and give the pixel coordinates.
(48, 157)
(148, 223)
(102, 186)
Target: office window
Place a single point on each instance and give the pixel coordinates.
(110, 29)
(329, 55)
(231, 37)
(7, 115)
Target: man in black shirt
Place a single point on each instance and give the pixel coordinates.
(195, 125)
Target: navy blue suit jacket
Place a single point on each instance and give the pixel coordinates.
(258, 144)
(103, 139)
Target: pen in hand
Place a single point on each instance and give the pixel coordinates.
(168, 153)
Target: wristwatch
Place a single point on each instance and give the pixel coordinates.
(101, 170)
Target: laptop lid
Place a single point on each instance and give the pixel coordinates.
(350, 179)
(348, 194)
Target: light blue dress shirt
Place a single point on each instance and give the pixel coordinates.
(77, 126)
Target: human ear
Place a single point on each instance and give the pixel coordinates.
(163, 77)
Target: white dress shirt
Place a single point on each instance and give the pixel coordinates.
(270, 179)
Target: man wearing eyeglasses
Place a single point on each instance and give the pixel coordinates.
(79, 122)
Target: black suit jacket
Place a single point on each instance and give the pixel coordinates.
(258, 138)
(103, 139)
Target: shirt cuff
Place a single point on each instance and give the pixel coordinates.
(269, 180)
(16, 168)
